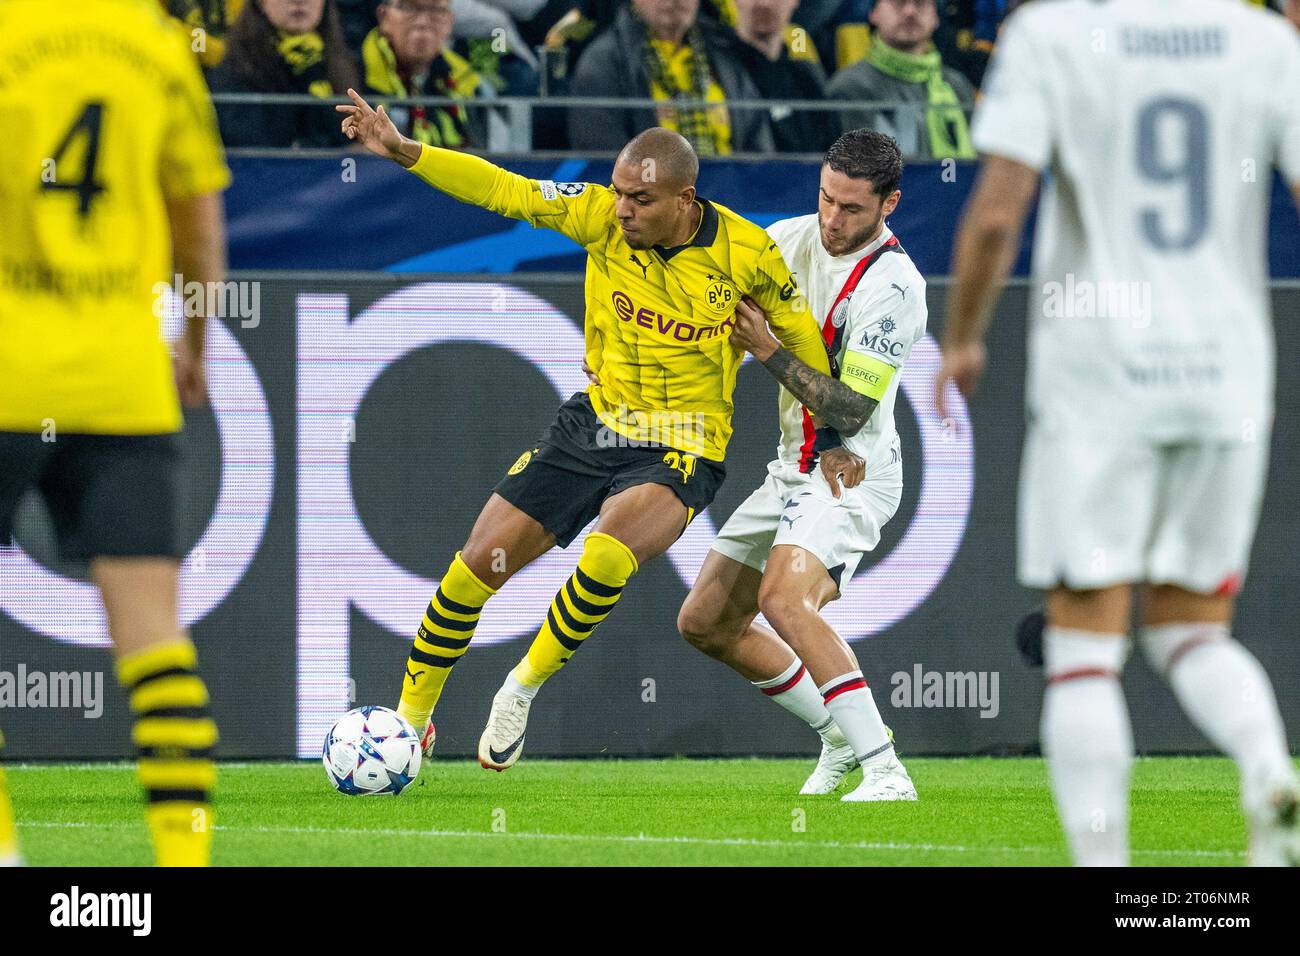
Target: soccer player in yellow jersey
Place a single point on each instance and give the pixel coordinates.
(642, 448)
(112, 178)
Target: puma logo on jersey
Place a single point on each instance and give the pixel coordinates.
(901, 291)
(790, 521)
(645, 267)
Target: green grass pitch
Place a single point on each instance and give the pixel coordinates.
(972, 811)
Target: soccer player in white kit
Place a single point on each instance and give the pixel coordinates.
(791, 546)
(1151, 369)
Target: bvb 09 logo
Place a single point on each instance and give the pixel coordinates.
(720, 296)
(521, 462)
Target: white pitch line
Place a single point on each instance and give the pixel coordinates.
(640, 838)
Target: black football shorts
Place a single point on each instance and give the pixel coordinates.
(107, 495)
(565, 477)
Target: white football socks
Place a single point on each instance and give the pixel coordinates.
(794, 690)
(1088, 742)
(848, 699)
(1226, 693)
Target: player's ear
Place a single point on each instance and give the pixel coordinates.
(891, 202)
(686, 196)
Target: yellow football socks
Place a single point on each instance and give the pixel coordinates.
(441, 641)
(585, 600)
(174, 737)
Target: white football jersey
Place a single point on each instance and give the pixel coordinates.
(1157, 124)
(883, 317)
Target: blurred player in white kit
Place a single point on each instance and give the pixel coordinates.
(1151, 370)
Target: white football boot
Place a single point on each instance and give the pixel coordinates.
(1274, 824)
(835, 761)
(502, 742)
(428, 740)
(884, 779)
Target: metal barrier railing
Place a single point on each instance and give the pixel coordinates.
(517, 119)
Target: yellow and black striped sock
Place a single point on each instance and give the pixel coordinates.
(8, 831)
(174, 737)
(585, 600)
(442, 640)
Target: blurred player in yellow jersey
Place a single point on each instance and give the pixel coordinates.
(642, 448)
(112, 178)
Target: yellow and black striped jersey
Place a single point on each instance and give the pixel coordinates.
(658, 321)
(106, 117)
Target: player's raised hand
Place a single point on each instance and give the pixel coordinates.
(374, 129)
(841, 465)
(963, 365)
(750, 332)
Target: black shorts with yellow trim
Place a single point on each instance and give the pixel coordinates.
(564, 478)
(107, 495)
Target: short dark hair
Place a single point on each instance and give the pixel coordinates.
(671, 151)
(866, 154)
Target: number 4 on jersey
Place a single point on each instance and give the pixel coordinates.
(85, 127)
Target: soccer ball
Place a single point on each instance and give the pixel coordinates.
(371, 750)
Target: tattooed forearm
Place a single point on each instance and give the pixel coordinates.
(835, 403)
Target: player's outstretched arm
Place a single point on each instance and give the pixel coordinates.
(577, 213)
(834, 403)
(375, 130)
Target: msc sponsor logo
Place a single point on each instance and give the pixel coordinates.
(666, 326)
(882, 344)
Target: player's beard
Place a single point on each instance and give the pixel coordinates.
(855, 241)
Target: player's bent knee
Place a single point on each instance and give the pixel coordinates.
(488, 561)
(701, 629)
(780, 606)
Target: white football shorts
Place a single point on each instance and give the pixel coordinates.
(800, 510)
(1096, 512)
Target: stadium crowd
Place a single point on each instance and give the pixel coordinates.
(909, 68)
